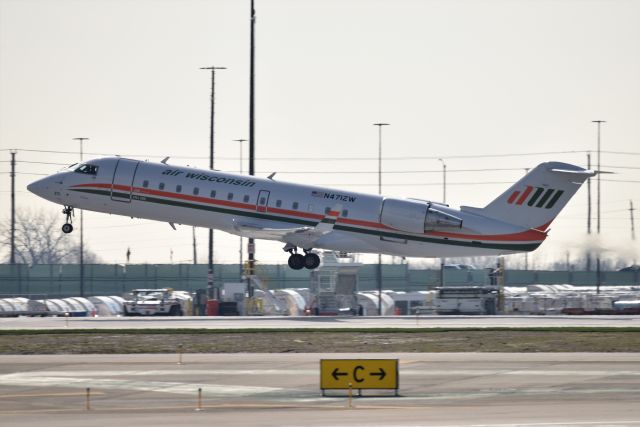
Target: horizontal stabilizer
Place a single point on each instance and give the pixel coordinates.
(584, 172)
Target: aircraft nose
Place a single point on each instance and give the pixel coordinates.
(38, 187)
(45, 187)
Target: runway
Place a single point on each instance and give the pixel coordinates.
(471, 389)
(312, 322)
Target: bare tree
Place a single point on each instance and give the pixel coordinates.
(40, 240)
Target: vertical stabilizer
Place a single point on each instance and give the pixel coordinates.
(535, 200)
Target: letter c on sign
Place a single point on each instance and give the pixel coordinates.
(355, 373)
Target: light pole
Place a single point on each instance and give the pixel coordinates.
(251, 246)
(210, 290)
(12, 257)
(444, 200)
(240, 141)
(598, 122)
(588, 266)
(379, 267)
(81, 140)
(444, 181)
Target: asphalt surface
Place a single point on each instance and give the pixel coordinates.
(318, 322)
(470, 389)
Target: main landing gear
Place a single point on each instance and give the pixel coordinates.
(309, 260)
(67, 227)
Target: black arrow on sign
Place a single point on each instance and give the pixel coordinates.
(380, 374)
(336, 374)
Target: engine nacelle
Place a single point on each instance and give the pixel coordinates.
(405, 215)
(415, 216)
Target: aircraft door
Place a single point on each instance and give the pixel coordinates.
(263, 201)
(122, 183)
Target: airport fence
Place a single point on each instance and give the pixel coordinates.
(62, 280)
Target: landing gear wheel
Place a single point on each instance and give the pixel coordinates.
(67, 227)
(296, 262)
(311, 261)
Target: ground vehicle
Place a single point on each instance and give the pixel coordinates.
(152, 302)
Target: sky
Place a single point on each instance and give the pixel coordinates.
(491, 86)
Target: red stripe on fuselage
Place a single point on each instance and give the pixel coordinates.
(523, 236)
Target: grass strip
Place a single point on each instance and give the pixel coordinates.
(366, 340)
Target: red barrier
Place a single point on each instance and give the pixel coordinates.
(213, 307)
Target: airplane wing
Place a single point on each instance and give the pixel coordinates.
(304, 237)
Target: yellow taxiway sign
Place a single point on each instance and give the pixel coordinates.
(360, 373)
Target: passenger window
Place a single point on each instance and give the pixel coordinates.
(263, 201)
(196, 191)
(295, 205)
(161, 186)
(345, 213)
(213, 194)
(178, 188)
(278, 203)
(145, 183)
(327, 210)
(246, 198)
(230, 196)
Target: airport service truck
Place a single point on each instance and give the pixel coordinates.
(153, 302)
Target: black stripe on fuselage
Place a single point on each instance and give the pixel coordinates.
(343, 227)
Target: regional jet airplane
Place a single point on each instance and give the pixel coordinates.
(309, 217)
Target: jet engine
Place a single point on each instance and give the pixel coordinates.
(416, 216)
(436, 220)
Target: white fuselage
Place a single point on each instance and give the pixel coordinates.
(238, 204)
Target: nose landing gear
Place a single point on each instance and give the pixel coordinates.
(67, 227)
(309, 260)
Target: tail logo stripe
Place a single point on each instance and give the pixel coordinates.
(554, 199)
(541, 197)
(544, 199)
(524, 196)
(512, 198)
(535, 196)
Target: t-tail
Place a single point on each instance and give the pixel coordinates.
(535, 200)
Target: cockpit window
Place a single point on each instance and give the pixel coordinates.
(87, 168)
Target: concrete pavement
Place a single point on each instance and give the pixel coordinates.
(470, 389)
(319, 322)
